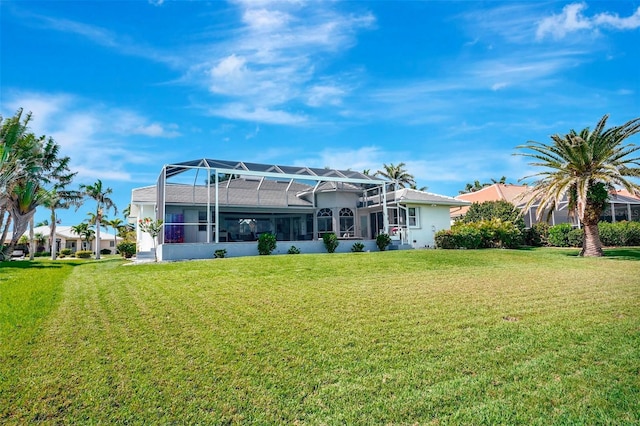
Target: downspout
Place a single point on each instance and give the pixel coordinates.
(613, 213)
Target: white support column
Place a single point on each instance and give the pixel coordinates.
(217, 209)
(613, 213)
(385, 213)
(209, 203)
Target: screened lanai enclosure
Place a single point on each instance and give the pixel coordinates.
(221, 201)
(211, 205)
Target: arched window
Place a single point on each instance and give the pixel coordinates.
(325, 221)
(347, 223)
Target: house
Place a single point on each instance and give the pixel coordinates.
(621, 206)
(207, 205)
(67, 239)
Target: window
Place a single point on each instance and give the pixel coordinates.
(413, 217)
(347, 223)
(325, 221)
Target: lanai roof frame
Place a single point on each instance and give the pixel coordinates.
(264, 171)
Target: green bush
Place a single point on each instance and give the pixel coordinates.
(331, 242)
(537, 235)
(266, 243)
(357, 247)
(293, 250)
(489, 210)
(105, 251)
(65, 252)
(127, 249)
(620, 233)
(42, 254)
(383, 241)
(493, 233)
(84, 254)
(559, 235)
(220, 253)
(575, 237)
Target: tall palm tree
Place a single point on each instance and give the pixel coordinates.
(59, 198)
(398, 174)
(584, 166)
(116, 224)
(103, 202)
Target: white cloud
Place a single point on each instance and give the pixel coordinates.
(243, 112)
(263, 19)
(499, 86)
(322, 95)
(83, 129)
(613, 20)
(572, 19)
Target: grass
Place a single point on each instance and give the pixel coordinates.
(441, 337)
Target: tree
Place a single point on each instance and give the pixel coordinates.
(398, 174)
(83, 231)
(583, 167)
(103, 202)
(32, 163)
(116, 224)
(153, 228)
(476, 185)
(59, 198)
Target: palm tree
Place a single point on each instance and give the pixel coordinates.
(101, 195)
(59, 198)
(584, 167)
(398, 174)
(83, 231)
(116, 224)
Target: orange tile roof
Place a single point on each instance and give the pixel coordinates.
(515, 194)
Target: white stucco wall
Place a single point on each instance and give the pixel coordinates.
(144, 242)
(431, 220)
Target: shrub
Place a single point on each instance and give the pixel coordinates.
(383, 241)
(493, 233)
(293, 250)
(220, 254)
(127, 249)
(84, 254)
(488, 210)
(537, 235)
(559, 235)
(42, 254)
(620, 233)
(65, 252)
(357, 247)
(331, 242)
(445, 239)
(105, 251)
(266, 243)
(575, 237)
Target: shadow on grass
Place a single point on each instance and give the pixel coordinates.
(623, 253)
(35, 264)
(618, 253)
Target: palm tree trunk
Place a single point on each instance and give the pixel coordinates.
(98, 238)
(52, 235)
(591, 246)
(32, 247)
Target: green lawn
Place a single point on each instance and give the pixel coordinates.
(413, 337)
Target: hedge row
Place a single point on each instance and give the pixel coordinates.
(496, 233)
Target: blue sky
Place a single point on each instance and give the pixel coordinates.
(449, 88)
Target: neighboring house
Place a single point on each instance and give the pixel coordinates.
(297, 204)
(621, 205)
(66, 238)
